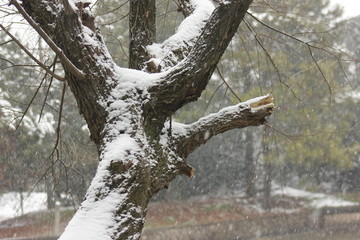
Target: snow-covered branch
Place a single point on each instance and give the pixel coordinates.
(177, 47)
(249, 113)
(184, 6)
(186, 80)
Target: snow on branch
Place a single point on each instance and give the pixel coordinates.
(175, 90)
(177, 47)
(249, 113)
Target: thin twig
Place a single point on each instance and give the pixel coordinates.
(112, 10)
(281, 133)
(212, 96)
(48, 89)
(320, 70)
(58, 128)
(258, 40)
(303, 42)
(47, 70)
(251, 64)
(6, 42)
(72, 68)
(223, 79)
(31, 101)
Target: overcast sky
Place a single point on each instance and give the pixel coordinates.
(351, 7)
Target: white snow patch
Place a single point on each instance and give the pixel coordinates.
(94, 221)
(9, 114)
(118, 148)
(130, 79)
(46, 124)
(95, 218)
(10, 204)
(317, 200)
(73, 2)
(188, 30)
(89, 37)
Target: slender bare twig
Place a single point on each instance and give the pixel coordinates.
(47, 70)
(48, 89)
(112, 10)
(58, 128)
(223, 79)
(303, 42)
(212, 96)
(72, 68)
(6, 42)
(258, 40)
(251, 63)
(290, 137)
(31, 101)
(320, 70)
(115, 21)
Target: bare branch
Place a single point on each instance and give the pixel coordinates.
(58, 128)
(6, 42)
(267, 54)
(72, 68)
(31, 55)
(31, 101)
(228, 86)
(48, 89)
(310, 46)
(320, 70)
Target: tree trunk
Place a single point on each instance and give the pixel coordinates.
(250, 173)
(267, 177)
(127, 110)
(267, 203)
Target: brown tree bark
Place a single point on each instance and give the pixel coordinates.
(140, 151)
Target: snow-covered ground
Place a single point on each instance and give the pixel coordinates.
(316, 200)
(10, 204)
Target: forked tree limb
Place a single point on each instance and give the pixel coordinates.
(178, 46)
(185, 82)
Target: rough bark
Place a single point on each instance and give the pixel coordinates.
(142, 32)
(140, 151)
